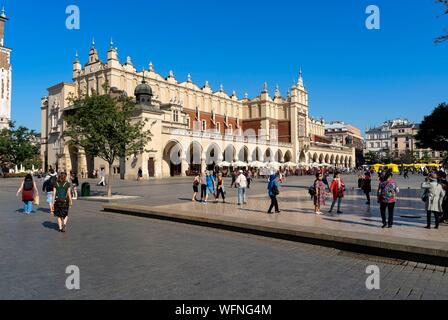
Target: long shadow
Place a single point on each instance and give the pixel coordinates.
(44, 210)
(50, 225)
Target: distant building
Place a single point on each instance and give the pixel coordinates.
(398, 138)
(343, 134)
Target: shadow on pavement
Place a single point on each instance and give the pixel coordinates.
(50, 225)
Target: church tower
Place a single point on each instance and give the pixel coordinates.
(5, 75)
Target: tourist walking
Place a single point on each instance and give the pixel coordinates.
(75, 183)
(337, 188)
(62, 201)
(241, 183)
(220, 189)
(139, 174)
(210, 186)
(433, 197)
(48, 188)
(366, 186)
(320, 193)
(196, 183)
(30, 194)
(387, 192)
(233, 179)
(273, 192)
(102, 182)
(249, 178)
(203, 182)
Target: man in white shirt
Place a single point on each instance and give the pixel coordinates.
(241, 184)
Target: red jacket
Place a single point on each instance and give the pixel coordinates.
(337, 192)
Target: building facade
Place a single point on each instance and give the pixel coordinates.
(347, 135)
(397, 137)
(5, 76)
(195, 125)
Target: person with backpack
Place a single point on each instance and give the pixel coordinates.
(433, 196)
(320, 193)
(387, 192)
(48, 188)
(62, 201)
(196, 183)
(273, 192)
(337, 188)
(29, 193)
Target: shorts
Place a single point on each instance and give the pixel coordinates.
(61, 209)
(195, 189)
(49, 197)
(210, 191)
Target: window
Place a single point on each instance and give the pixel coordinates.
(175, 116)
(407, 145)
(230, 129)
(372, 145)
(396, 146)
(204, 125)
(218, 127)
(188, 123)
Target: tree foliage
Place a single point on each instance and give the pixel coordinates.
(19, 147)
(433, 133)
(105, 127)
(372, 157)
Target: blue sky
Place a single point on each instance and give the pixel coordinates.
(353, 74)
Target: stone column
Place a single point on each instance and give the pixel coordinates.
(185, 167)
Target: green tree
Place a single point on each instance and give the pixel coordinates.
(106, 127)
(444, 37)
(407, 157)
(433, 133)
(372, 157)
(19, 147)
(386, 157)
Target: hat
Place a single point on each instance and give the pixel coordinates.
(241, 171)
(433, 176)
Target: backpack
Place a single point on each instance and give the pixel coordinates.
(312, 191)
(28, 185)
(51, 184)
(61, 191)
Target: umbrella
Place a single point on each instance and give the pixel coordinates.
(224, 164)
(273, 164)
(257, 164)
(239, 164)
(290, 164)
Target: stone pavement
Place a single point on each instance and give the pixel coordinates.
(360, 225)
(122, 257)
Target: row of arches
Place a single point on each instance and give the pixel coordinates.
(332, 159)
(195, 156)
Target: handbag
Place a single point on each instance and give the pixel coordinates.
(275, 191)
(36, 200)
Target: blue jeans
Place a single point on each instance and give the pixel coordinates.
(242, 195)
(27, 206)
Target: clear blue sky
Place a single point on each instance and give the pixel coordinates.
(362, 77)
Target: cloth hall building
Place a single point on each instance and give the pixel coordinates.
(193, 127)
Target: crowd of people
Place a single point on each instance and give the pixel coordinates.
(61, 189)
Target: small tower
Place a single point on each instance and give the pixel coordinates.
(76, 66)
(5, 75)
(93, 54)
(143, 93)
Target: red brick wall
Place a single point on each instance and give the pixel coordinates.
(284, 131)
